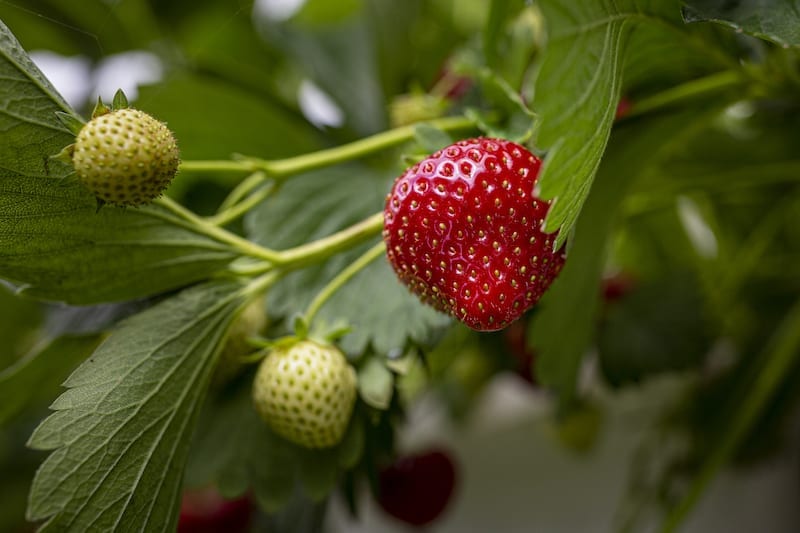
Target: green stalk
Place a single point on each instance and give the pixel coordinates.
(780, 354)
(233, 212)
(281, 168)
(323, 248)
(341, 279)
(201, 225)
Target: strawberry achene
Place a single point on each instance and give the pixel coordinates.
(463, 230)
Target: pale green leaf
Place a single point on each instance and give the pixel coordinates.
(120, 433)
(34, 380)
(52, 241)
(774, 20)
(376, 383)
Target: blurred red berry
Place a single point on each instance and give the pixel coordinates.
(416, 488)
(616, 286)
(206, 511)
(515, 337)
(623, 108)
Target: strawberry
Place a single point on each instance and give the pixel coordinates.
(306, 391)
(125, 157)
(206, 511)
(416, 488)
(231, 360)
(463, 230)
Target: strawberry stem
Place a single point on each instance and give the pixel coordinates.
(323, 248)
(341, 279)
(283, 168)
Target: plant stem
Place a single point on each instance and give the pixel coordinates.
(692, 89)
(233, 212)
(328, 246)
(780, 353)
(341, 279)
(244, 188)
(281, 168)
(201, 225)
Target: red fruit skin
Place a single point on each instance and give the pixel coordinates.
(463, 231)
(205, 511)
(416, 488)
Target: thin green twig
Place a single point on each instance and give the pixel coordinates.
(340, 280)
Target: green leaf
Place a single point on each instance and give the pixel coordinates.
(577, 89)
(313, 206)
(52, 240)
(235, 449)
(386, 323)
(19, 320)
(120, 433)
(57, 247)
(34, 380)
(376, 383)
(564, 324)
(773, 20)
(639, 339)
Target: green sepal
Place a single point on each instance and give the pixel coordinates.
(65, 155)
(376, 383)
(100, 108)
(120, 101)
(73, 123)
(100, 204)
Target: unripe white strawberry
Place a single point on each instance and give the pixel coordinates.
(306, 392)
(125, 157)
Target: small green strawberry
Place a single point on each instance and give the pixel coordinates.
(306, 391)
(124, 156)
(237, 347)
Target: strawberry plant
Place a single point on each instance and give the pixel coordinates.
(304, 220)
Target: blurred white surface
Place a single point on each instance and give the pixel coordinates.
(517, 478)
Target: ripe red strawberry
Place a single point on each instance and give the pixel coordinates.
(416, 488)
(463, 231)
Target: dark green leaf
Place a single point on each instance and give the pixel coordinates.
(121, 432)
(212, 119)
(639, 339)
(34, 381)
(19, 320)
(235, 449)
(577, 90)
(774, 20)
(563, 326)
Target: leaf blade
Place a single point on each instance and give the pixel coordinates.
(772, 20)
(122, 428)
